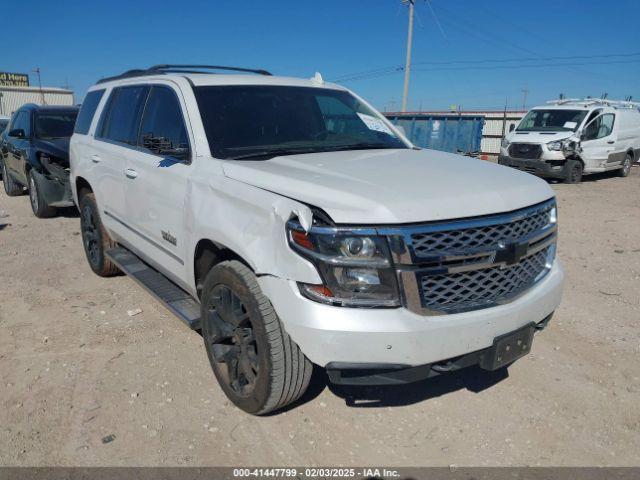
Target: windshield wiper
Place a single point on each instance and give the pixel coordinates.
(274, 153)
(319, 149)
(358, 146)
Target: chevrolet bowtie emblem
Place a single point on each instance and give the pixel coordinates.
(512, 253)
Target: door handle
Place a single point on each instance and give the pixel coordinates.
(95, 158)
(611, 142)
(130, 173)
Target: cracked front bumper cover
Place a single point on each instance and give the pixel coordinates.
(537, 167)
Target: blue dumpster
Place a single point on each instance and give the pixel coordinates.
(449, 133)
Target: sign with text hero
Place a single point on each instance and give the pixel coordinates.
(8, 79)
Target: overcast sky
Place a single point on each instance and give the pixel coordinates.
(475, 54)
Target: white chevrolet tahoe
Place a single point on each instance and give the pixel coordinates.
(568, 138)
(293, 225)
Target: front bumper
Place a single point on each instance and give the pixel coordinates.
(371, 374)
(395, 336)
(542, 168)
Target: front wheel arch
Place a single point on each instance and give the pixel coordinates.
(207, 254)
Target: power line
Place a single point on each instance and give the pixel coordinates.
(383, 71)
(531, 59)
(539, 65)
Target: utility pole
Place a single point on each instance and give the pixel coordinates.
(37, 71)
(525, 91)
(407, 67)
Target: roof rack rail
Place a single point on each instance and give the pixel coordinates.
(595, 101)
(169, 68)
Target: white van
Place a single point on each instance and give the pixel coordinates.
(568, 138)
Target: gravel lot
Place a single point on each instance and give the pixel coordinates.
(84, 383)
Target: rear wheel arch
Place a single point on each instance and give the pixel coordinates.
(82, 187)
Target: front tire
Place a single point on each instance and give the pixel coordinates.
(95, 238)
(574, 171)
(11, 187)
(258, 366)
(626, 166)
(38, 204)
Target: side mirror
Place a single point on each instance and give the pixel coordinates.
(512, 127)
(17, 133)
(179, 153)
(162, 146)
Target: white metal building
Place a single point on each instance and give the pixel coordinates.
(12, 98)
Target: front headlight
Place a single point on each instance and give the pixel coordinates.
(355, 266)
(505, 143)
(556, 146)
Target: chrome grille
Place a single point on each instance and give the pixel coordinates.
(479, 288)
(451, 242)
(461, 265)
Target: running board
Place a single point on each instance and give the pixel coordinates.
(172, 297)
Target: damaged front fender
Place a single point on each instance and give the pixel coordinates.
(52, 176)
(251, 222)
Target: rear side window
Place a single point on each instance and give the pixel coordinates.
(122, 115)
(87, 111)
(162, 124)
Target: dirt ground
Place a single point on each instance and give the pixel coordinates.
(83, 383)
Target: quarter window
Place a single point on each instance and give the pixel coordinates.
(122, 115)
(163, 129)
(87, 111)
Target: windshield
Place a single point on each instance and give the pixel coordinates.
(55, 125)
(260, 122)
(552, 120)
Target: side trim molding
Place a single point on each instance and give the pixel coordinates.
(144, 237)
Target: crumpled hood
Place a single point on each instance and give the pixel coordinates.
(56, 147)
(393, 186)
(538, 137)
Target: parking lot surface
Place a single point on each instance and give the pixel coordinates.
(83, 383)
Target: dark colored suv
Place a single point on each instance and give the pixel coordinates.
(35, 154)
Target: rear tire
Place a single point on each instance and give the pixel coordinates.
(626, 166)
(39, 206)
(11, 187)
(258, 366)
(574, 171)
(95, 238)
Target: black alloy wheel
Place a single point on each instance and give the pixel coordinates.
(95, 239)
(90, 237)
(233, 342)
(258, 366)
